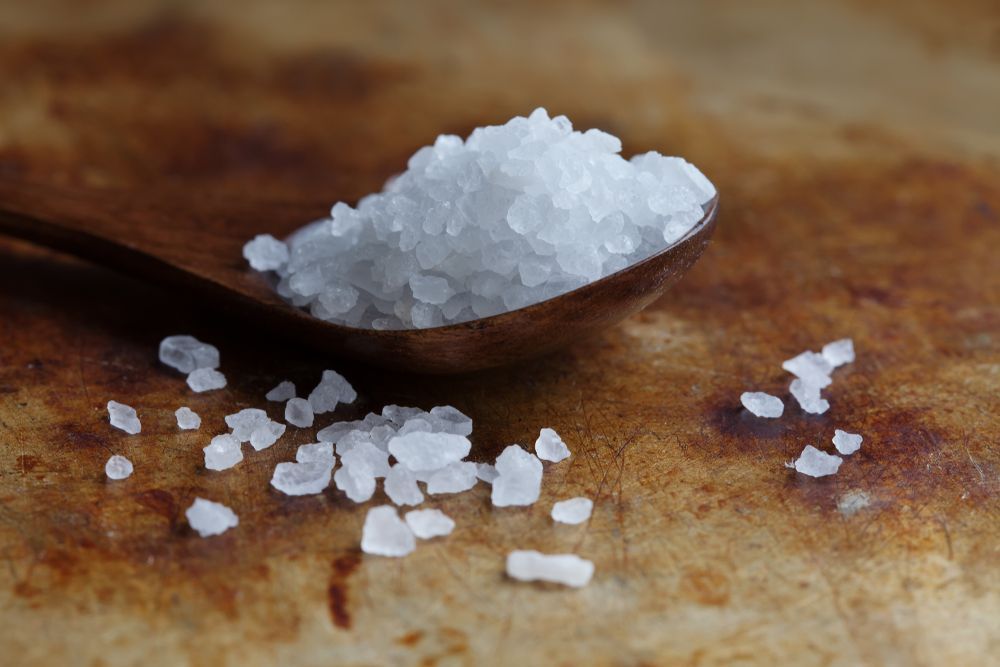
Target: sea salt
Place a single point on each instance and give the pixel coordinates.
(808, 396)
(282, 392)
(447, 419)
(566, 569)
(401, 486)
(210, 518)
(519, 478)
(846, 443)
(299, 412)
(513, 215)
(187, 419)
(123, 417)
(187, 353)
(427, 524)
(118, 467)
(366, 459)
(816, 463)
(761, 404)
(839, 352)
(245, 422)
(358, 486)
(572, 511)
(301, 479)
(316, 452)
(266, 435)
(223, 452)
(550, 447)
(810, 367)
(429, 451)
(486, 472)
(453, 478)
(385, 534)
(333, 388)
(205, 379)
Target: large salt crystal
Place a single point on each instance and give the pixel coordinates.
(123, 417)
(205, 379)
(299, 412)
(210, 518)
(429, 451)
(428, 524)
(486, 472)
(446, 419)
(187, 419)
(816, 463)
(265, 253)
(566, 569)
(321, 452)
(282, 392)
(187, 353)
(401, 486)
(333, 388)
(118, 467)
(245, 422)
(266, 435)
(839, 352)
(519, 478)
(358, 486)
(808, 397)
(550, 447)
(399, 415)
(223, 452)
(366, 459)
(761, 404)
(846, 443)
(453, 478)
(301, 479)
(513, 215)
(385, 534)
(572, 511)
(812, 368)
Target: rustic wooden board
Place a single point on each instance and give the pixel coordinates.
(856, 151)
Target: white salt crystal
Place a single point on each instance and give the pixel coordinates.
(301, 479)
(337, 430)
(550, 447)
(839, 352)
(447, 419)
(266, 435)
(118, 467)
(123, 417)
(519, 478)
(399, 415)
(572, 511)
(401, 486)
(205, 379)
(282, 392)
(265, 253)
(187, 353)
(486, 472)
(761, 404)
(210, 518)
(453, 478)
(245, 422)
(429, 451)
(846, 443)
(358, 486)
(366, 459)
(815, 463)
(333, 388)
(352, 439)
(430, 289)
(567, 569)
(811, 368)
(385, 534)
(223, 452)
(187, 419)
(427, 524)
(808, 397)
(299, 412)
(321, 452)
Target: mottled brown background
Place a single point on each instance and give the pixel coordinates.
(856, 148)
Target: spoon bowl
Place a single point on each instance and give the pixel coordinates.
(199, 251)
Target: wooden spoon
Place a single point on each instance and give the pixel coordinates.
(198, 249)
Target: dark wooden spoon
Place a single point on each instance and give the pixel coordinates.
(199, 249)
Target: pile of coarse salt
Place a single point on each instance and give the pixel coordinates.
(515, 214)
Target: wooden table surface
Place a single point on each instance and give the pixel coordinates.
(856, 150)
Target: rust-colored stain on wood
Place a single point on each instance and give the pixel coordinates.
(857, 152)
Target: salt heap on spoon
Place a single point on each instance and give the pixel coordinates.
(513, 215)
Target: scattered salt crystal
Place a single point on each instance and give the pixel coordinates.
(333, 388)
(519, 478)
(123, 417)
(223, 452)
(399, 415)
(429, 451)
(550, 447)
(265, 253)
(205, 379)
(301, 479)
(315, 452)
(187, 353)
(337, 430)
(266, 435)
(210, 518)
(427, 524)
(401, 486)
(245, 422)
(815, 463)
(187, 419)
(567, 569)
(572, 511)
(299, 412)
(352, 439)
(282, 392)
(839, 352)
(451, 420)
(761, 404)
(366, 459)
(808, 397)
(358, 486)
(846, 443)
(453, 478)
(118, 467)
(810, 367)
(486, 472)
(385, 534)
